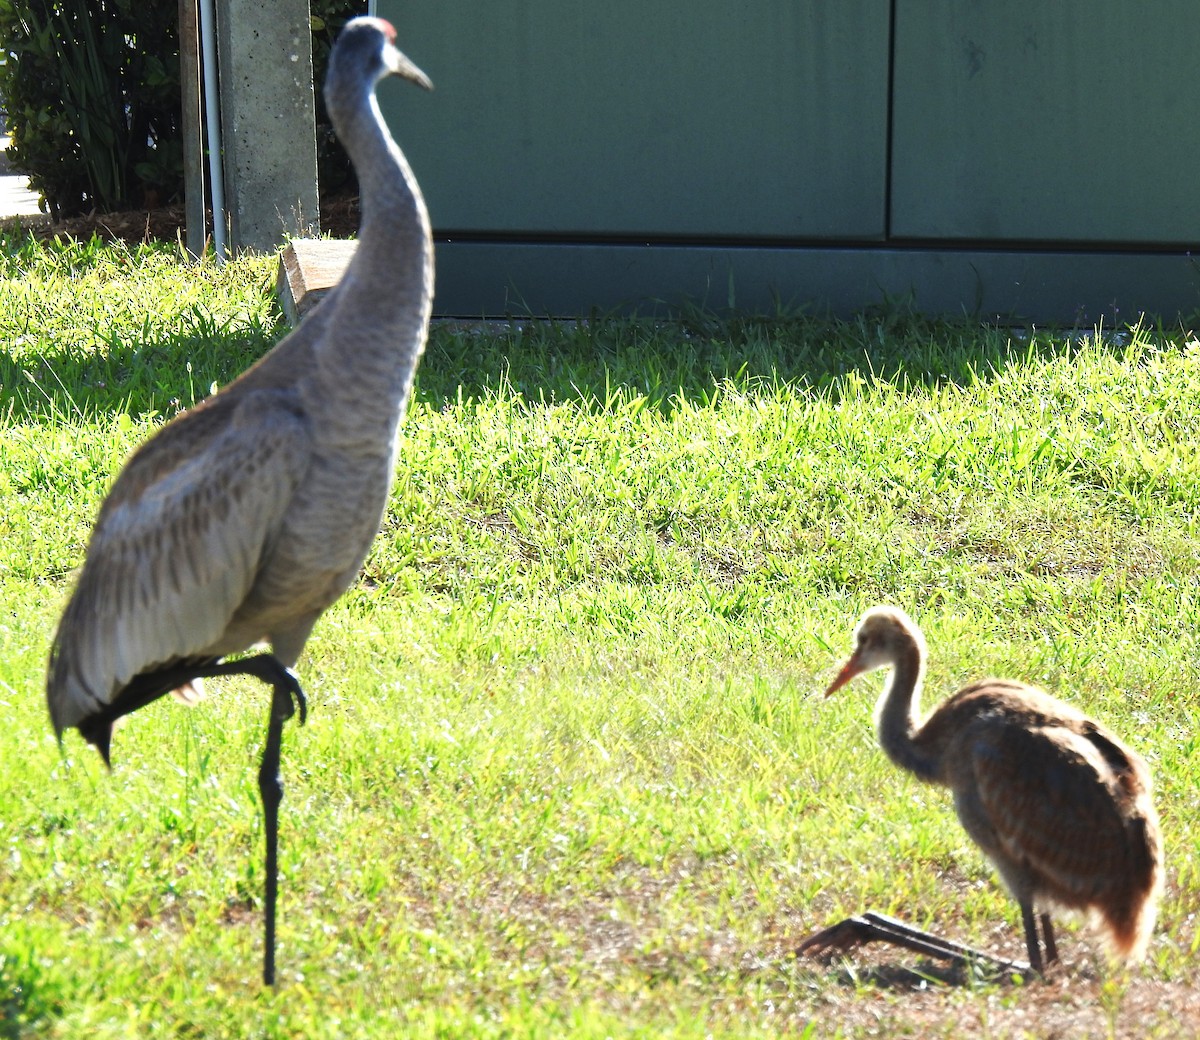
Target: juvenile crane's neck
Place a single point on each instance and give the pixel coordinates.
(897, 717)
(384, 299)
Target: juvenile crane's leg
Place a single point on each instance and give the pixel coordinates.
(1051, 945)
(1032, 943)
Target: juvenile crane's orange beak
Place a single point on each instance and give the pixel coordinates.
(849, 670)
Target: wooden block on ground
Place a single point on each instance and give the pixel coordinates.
(308, 269)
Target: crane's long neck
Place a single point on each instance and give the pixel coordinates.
(383, 302)
(898, 715)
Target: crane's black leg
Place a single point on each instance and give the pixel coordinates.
(1032, 944)
(149, 686)
(1051, 946)
(270, 787)
(286, 699)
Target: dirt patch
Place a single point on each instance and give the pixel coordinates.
(636, 944)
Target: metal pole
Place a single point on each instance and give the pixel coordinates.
(212, 116)
(192, 125)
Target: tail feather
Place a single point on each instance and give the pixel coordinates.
(1130, 918)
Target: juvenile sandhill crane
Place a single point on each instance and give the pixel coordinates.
(1059, 805)
(243, 519)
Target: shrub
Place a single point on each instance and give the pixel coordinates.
(334, 171)
(92, 92)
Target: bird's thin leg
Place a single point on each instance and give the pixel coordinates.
(286, 698)
(266, 668)
(1048, 935)
(904, 934)
(270, 787)
(1032, 945)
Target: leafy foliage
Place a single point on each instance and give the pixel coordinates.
(92, 92)
(92, 89)
(334, 171)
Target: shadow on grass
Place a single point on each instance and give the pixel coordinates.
(23, 1002)
(684, 358)
(142, 375)
(692, 357)
(927, 972)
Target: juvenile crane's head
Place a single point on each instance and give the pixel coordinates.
(882, 637)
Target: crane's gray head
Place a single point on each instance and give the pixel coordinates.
(883, 636)
(365, 52)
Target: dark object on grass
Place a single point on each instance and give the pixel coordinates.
(875, 927)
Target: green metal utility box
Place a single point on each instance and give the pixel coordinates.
(1019, 161)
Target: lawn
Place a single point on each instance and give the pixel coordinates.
(567, 771)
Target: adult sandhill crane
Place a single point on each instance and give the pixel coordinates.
(1059, 805)
(245, 517)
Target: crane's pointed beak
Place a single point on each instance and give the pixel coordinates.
(850, 670)
(400, 65)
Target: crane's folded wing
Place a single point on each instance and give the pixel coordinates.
(177, 546)
(1057, 803)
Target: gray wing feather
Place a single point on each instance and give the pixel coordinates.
(177, 547)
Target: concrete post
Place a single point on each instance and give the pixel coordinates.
(268, 121)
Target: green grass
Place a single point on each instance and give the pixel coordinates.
(564, 773)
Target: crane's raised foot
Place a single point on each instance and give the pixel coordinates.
(874, 927)
(269, 669)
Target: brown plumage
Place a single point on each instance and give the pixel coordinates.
(247, 516)
(1056, 801)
